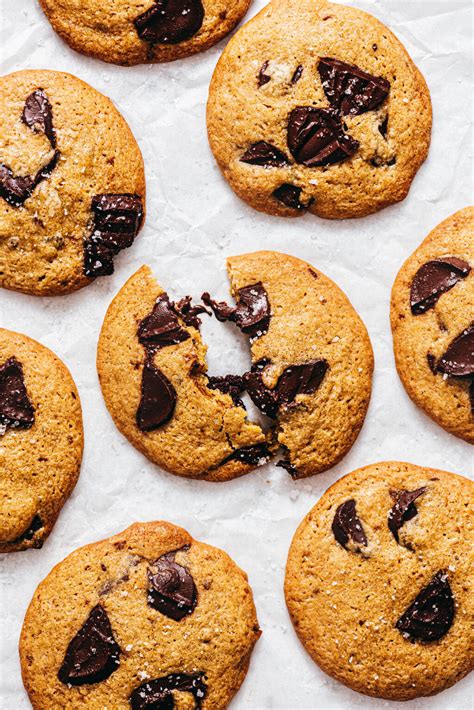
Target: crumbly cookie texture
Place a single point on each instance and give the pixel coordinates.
(432, 311)
(136, 31)
(111, 609)
(41, 440)
(317, 107)
(72, 184)
(389, 616)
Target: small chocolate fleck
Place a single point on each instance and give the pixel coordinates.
(403, 510)
(263, 78)
(158, 399)
(252, 313)
(297, 74)
(347, 527)
(161, 327)
(264, 154)
(172, 590)
(16, 409)
(458, 360)
(431, 615)
(316, 137)
(256, 455)
(170, 21)
(433, 279)
(93, 654)
(431, 362)
(157, 694)
(289, 195)
(291, 468)
(384, 127)
(188, 312)
(38, 115)
(349, 89)
(233, 385)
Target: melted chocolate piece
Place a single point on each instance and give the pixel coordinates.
(383, 127)
(35, 525)
(458, 360)
(158, 399)
(346, 526)
(433, 279)
(157, 694)
(117, 219)
(16, 409)
(349, 89)
(431, 362)
(161, 327)
(289, 195)
(297, 75)
(232, 385)
(172, 590)
(255, 455)
(189, 313)
(403, 510)
(263, 397)
(263, 78)
(93, 654)
(264, 154)
(430, 616)
(316, 137)
(170, 21)
(38, 115)
(291, 468)
(252, 313)
(16, 189)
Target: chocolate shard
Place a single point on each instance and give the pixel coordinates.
(158, 399)
(38, 115)
(300, 379)
(256, 455)
(316, 137)
(16, 409)
(188, 312)
(297, 74)
(252, 313)
(347, 528)
(431, 615)
(458, 360)
(263, 78)
(290, 196)
(16, 189)
(93, 654)
(433, 279)
(161, 327)
(349, 89)
(263, 397)
(403, 510)
(290, 467)
(233, 385)
(157, 694)
(264, 154)
(170, 21)
(172, 591)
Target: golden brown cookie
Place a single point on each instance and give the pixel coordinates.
(41, 440)
(379, 576)
(139, 620)
(432, 318)
(137, 31)
(317, 106)
(72, 184)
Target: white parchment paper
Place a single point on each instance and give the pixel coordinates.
(194, 221)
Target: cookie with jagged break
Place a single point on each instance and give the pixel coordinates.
(149, 618)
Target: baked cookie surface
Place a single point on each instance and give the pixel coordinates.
(41, 440)
(378, 580)
(432, 319)
(142, 619)
(137, 31)
(311, 373)
(72, 184)
(317, 107)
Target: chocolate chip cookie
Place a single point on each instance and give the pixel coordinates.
(149, 618)
(378, 580)
(41, 440)
(317, 107)
(432, 317)
(311, 373)
(136, 31)
(72, 185)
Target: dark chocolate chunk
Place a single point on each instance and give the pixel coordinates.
(263, 78)
(297, 74)
(458, 360)
(172, 590)
(232, 385)
(38, 115)
(157, 694)
(264, 154)
(255, 455)
(170, 21)
(16, 409)
(430, 616)
(346, 526)
(252, 313)
(291, 468)
(289, 195)
(16, 189)
(403, 510)
(161, 327)
(433, 279)
(349, 89)
(188, 312)
(93, 654)
(316, 137)
(263, 397)
(158, 399)
(35, 525)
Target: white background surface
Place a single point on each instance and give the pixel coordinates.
(195, 221)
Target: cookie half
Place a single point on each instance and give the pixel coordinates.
(41, 440)
(378, 580)
(143, 619)
(432, 318)
(72, 184)
(137, 31)
(317, 107)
